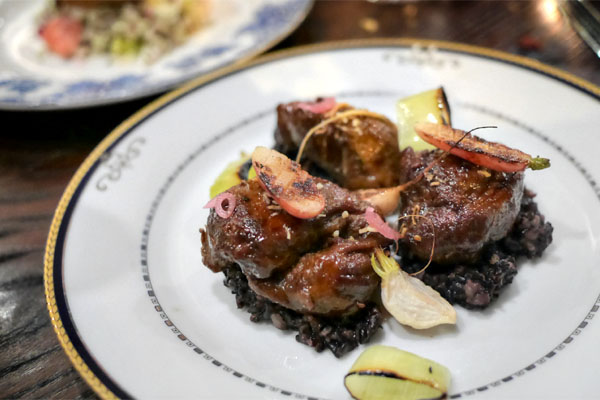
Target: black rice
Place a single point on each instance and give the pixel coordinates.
(340, 335)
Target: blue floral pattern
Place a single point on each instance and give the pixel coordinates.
(195, 60)
(21, 86)
(272, 17)
(269, 22)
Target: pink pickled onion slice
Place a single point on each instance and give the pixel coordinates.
(376, 222)
(211, 203)
(319, 107)
(218, 201)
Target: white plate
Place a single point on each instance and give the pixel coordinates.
(33, 78)
(140, 316)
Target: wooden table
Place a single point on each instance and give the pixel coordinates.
(39, 152)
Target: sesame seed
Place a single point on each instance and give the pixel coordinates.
(434, 184)
(416, 210)
(322, 215)
(319, 185)
(336, 233)
(484, 173)
(274, 207)
(367, 229)
(355, 122)
(287, 232)
(345, 214)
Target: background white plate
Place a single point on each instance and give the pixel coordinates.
(33, 78)
(140, 315)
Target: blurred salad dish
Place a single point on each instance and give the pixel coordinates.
(121, 28)
(57, 54)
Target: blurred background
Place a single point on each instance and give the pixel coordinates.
(40, 150)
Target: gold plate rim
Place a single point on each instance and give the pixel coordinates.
(79, 364)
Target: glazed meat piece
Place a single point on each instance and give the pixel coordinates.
(294, 262)
(256, 235)
(263, 239)
(476, 285)
(358, 152)
(469, 206)
(336, 280)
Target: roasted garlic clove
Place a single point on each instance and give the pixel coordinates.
(387, 373)
(408, 299)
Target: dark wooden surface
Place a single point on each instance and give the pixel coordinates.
(40, 151)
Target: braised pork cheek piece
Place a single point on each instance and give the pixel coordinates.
(358, 152)
(319, 266)
(468, 205)
(476, 285)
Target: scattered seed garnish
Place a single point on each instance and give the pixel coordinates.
(367, 229)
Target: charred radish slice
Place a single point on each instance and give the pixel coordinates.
(492, 155)
(232, 175)
(291, 187)
(430, 106)
(387, 373)
(408, 299)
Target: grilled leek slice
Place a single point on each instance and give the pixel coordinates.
(233, 174)
(388, 373)
(429, 106)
